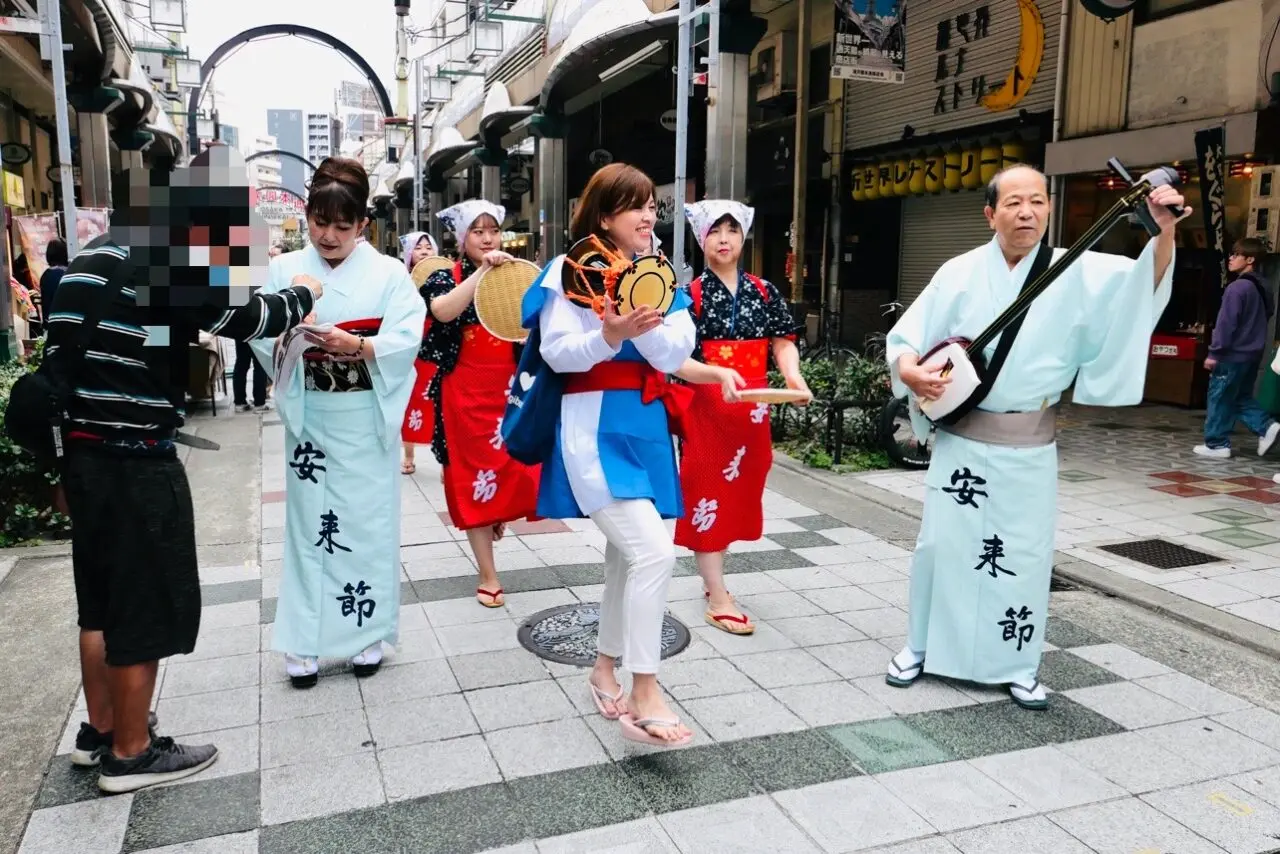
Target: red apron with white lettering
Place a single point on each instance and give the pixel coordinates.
(482, 484)
(420, 416)
(726, 455)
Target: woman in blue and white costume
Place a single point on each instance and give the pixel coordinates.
(614, 460)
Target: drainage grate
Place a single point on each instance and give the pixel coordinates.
(567, 634)
(1161, 554)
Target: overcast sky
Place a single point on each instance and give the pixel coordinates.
(288, 72)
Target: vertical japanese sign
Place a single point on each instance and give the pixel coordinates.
(1212, 160)
(869, 45)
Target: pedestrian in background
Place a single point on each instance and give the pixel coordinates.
(1239, 342)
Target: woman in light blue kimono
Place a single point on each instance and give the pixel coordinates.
(979, 591)
(342, 411)
(614, 460)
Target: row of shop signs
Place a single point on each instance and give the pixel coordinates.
(934, 171)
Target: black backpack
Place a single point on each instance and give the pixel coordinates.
(36, 416)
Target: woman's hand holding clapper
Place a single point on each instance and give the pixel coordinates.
(619, 328)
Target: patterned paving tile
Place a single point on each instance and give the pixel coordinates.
(1241, 538)
(888, 745)
(1183, 490)
(1074, 476)
(1232, 516)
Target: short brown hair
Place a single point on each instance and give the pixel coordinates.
(339, 191)
(612, 190)
(1250, 247)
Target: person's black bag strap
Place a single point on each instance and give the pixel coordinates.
(1038, 266)
(70, 359)
(1262, 295)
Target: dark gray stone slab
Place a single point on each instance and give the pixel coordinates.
(687, 778)
(791, 760)
(174, 814)
(1062, 671)
(366, 831)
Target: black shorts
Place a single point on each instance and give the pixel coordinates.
(133, 543)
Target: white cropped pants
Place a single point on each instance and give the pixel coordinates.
(638, 562)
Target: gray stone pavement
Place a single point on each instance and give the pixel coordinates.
(1159, 737)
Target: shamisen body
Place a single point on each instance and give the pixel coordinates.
(980, 574)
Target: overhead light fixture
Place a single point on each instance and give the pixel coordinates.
(631, 61)
(486, 39)
(436, 89)
(189, 74)
(169, 15)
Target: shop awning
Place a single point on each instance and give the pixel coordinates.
(139, 85)
(111, 22)
(1148, 146)
(166, 131)
(448, 149)
(500, 118)
(608, 35)
(408, 167)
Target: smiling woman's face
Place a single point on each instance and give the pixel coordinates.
(1021, 214)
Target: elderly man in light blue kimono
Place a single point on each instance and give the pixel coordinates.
(980, 575)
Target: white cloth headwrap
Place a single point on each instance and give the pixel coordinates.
(411, 240)
(702, 215)
(459, 217)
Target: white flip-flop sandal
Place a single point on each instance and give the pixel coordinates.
(904, 669)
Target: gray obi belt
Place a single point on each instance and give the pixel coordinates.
(1011, 429)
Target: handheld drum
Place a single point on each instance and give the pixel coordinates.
(651, 281)
(499, 294)
(590, 272)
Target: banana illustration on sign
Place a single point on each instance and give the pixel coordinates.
(1030, 52)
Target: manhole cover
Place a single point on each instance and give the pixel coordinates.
(567, 634)
(1160, 553)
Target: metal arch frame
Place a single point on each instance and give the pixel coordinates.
(280, 152)
(282, 189)
(255, 33)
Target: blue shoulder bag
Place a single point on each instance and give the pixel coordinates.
(533, 407)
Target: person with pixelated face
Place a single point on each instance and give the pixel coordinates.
(184, 248)
(342, 412)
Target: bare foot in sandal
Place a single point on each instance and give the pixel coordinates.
(605, 689)
(647, 703)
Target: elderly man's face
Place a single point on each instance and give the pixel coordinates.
(1021, 213)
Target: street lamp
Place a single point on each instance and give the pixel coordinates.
(396, 132)
(436, 88)
(189, 75)
(486, 39)
(169, 15)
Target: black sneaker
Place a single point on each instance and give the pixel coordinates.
(163, 760)
(243, 407)
(90, 743)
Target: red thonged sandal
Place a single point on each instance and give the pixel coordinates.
(495, 597)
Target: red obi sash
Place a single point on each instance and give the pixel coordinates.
(749, 358)
(367, 327)
(652, 384)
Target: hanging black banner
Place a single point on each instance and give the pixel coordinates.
(1212, 160)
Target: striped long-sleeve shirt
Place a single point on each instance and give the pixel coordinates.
(127, 388)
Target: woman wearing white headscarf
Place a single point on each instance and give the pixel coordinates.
(419, 418)
(483, 486)
(725, 459)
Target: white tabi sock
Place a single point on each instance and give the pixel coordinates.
(371, 655)
(1032, 692)
(297, 665)
(907, 664)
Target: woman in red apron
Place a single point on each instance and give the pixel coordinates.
(420, 417)
(725, 459)
(483, 486)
